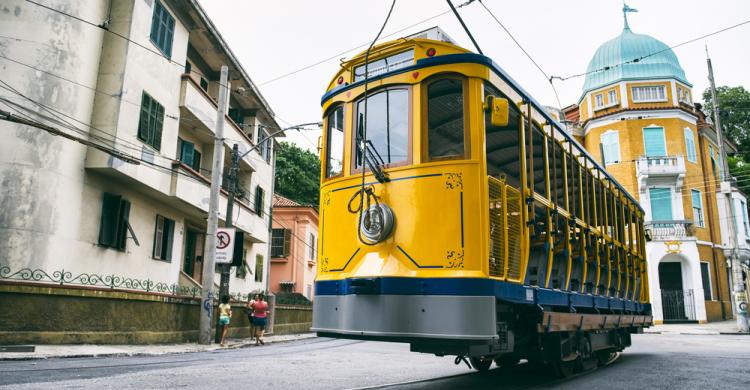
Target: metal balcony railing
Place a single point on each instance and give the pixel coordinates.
(668, 230)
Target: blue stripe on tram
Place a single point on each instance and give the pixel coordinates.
(510, 292)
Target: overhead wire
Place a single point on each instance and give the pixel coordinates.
(643, 57)
(338, 55)
(549, 79)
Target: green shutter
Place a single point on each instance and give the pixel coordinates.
(653, 141)
(690, 145)
(108, 222)
(143, 122)
(187, 152)
(159, 123)
(661, 204)
(287, 242)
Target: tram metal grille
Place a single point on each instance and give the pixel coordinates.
(505, 230)
(513, 231)
(498, 236)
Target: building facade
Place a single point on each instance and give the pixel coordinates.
(639, 119)
(126, 205)
(293, 247)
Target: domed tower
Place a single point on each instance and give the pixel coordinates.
(637, 116)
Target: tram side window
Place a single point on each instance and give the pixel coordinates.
(503, 152)
(335, 142)
(387, 126)
(445, 118)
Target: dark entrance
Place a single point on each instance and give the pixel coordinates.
(678, 304)
(193, 262)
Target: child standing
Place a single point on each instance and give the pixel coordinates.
(225, 313)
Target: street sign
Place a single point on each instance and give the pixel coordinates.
(224, 245)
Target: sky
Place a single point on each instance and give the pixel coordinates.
(273, 38)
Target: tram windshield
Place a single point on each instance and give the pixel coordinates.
(387, 126)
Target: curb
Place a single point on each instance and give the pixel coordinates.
(137, 354)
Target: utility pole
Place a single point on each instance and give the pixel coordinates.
(232, 190)
(726, 191)
(207, 295)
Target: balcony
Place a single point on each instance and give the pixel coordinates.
(193, 188)
(660, 168)
(668, 230)
(198, 109)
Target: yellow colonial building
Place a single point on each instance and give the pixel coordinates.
(637, 116)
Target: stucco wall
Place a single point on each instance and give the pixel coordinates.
(38, 314)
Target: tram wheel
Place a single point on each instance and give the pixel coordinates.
(603, 357)
(564, 369)
(480, 364)
(506, 361)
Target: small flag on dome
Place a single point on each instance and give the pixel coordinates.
(626, 9)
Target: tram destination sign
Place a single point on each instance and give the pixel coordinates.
(385, 65)
(224, 245)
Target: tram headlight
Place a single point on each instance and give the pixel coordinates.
(377, 223)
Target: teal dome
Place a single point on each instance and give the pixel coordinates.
(661, 64)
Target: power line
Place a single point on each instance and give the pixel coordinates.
(549, 79)
(338, 55)
(638, 59)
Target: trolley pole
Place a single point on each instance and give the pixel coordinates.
(231, 191)
(207, 294)
(740, 298)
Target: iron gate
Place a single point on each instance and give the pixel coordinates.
(678, 305)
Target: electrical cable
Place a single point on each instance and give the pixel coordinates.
(549, 79)
(638, 59)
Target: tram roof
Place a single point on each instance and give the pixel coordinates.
(470, 57)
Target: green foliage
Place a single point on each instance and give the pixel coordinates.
(741, 170)
(297, 174)
(734, 108)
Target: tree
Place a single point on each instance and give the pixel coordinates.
(740, 170)
(734, 105)
(297, 174)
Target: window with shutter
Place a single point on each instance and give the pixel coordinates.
(661, 204)
(109, 219)
(151, 121)
(653, 141)
(277, 243)
(697, 208)
(163, 238)
(259, 199)
(258, 268)
(287, 242)
(187, 151)
(611, 146)
(690, 145)
(162, 29)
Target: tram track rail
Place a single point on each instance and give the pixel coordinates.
(478, 375)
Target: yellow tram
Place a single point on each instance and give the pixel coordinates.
(480, 228)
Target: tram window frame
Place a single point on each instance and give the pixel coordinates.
(327, 160)
(409, 131)
(425, 108)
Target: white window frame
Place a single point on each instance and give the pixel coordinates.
(599, 100)
(616, 135)
(637, 90)
(688, 148)
(612, 97)
(699, 222)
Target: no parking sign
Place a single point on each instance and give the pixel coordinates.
(224, 245)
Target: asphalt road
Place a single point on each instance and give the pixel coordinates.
(654, 361)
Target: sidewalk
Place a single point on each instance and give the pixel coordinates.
(721, 327)
(73, 351)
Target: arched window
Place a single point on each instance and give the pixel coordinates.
(445, 119)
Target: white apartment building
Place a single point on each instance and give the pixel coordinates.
(144, 84)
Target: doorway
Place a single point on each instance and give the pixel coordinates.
(678, 303)
(193, 261)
